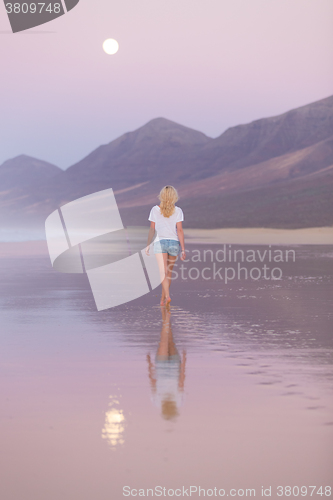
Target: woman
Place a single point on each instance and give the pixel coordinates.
(168, 375)
(166, 219)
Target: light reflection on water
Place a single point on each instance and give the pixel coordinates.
(114, 426)
(221, 386)
(288, 366)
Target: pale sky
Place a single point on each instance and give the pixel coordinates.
(207, 64)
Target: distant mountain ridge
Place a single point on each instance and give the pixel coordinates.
(30, 171)
(271, 137)
(285, 153)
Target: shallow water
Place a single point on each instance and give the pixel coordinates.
(230, 389)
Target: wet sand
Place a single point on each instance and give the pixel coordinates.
(23, 249)
(230, 389)
(236, 236)
(263, 236)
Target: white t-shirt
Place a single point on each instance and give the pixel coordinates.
(167, 382)
(166, 226)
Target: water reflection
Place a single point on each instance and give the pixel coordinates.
(114, 424)
(260, 367)
(168, 375)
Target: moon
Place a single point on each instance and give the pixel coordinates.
(110, 46)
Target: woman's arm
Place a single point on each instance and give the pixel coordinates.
(180, 233)
(150, 236)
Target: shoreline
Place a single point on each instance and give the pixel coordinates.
(261, 236)
(232, 236)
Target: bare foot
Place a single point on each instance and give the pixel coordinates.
(167, 300)
(162, 302)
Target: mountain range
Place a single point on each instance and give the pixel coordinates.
(272, 172)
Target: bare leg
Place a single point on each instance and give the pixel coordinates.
(165, 282)
(163, 347)
(162, 264)
(166, 346)
(166, 263)
(170, 263)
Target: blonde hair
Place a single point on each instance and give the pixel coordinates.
(168, 197)
(169, 409)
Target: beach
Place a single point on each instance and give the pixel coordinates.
(263, 236)
(228, 389)
(233, 236)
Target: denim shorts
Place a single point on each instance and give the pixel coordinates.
(171, 247)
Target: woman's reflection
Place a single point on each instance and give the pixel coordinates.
(168, 376)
